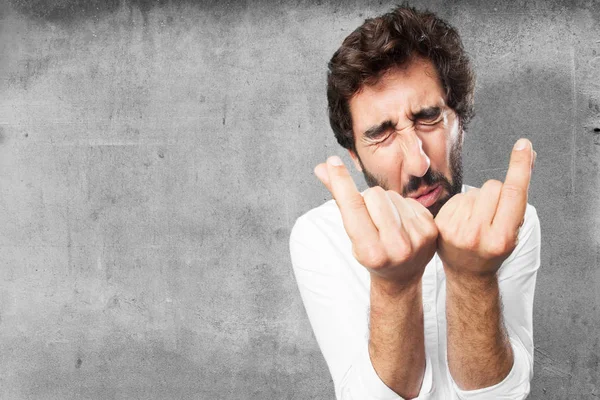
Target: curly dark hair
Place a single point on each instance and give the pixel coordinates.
(390, 40)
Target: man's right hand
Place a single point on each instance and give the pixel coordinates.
(392, 236)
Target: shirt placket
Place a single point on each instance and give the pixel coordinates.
(429, 287)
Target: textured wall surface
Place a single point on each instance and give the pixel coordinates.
(154, 156)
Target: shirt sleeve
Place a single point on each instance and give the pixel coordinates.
(516, 277)
(337, 314)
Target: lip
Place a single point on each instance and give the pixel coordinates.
(428, 198)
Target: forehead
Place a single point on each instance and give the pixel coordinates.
(397, 95)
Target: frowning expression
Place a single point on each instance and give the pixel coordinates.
(407, 139)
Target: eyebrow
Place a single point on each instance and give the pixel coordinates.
(376, 130)
(427, 113)
(424, 113)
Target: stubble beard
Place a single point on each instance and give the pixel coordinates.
(430, 178)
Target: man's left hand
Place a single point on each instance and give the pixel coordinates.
(479, 229)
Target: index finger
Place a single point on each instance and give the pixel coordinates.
(514, 193)
(355, 216)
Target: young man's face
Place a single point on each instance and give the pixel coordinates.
(407, 139)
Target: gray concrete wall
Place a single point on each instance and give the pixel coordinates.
(154, 156)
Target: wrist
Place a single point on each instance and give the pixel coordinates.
(474, 293)
(470, 280)
(395, 289)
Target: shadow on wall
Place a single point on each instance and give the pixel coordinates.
(538, 104)
(564, 127)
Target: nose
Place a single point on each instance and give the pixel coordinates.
(416, 162)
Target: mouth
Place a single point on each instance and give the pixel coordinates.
(428, 198)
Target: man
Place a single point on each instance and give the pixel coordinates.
(420, 287)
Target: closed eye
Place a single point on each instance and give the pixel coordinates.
(380, 131)
(428, 116)
(381, 137)
(431, 122)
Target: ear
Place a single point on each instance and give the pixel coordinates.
(355, 159)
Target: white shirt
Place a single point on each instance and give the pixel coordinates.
(335, 290)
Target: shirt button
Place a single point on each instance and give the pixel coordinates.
(426, 307)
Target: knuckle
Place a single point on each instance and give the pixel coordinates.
(441, 226)
(445, 226)
(393, 194)
(401, 251)
(373, 193)
(500, 247)
(428, 231)
(455, 201)
(410, 200)
(355, 203)
(422, 242)
(512, 191)
(417, 208)
(394, 197)
(457, 197)
(492, 184)
(431, 231)
(371, 255)
(413, 203)
(368, 194)
(474, 192)
(471, 241)
(493, 250)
